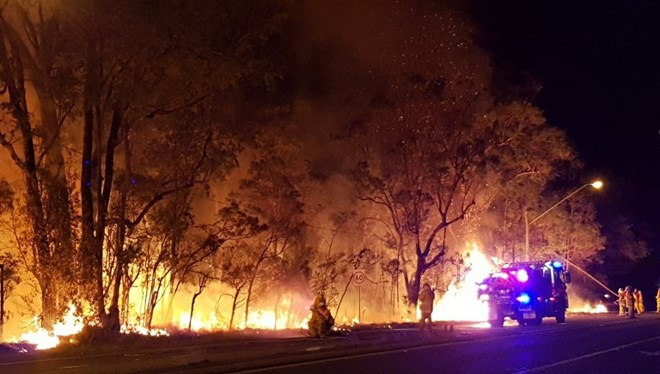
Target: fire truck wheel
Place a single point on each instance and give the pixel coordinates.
(498, 322)
(561, 316)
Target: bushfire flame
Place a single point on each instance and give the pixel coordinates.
(587, 308)
(460, 302)
(71, 324)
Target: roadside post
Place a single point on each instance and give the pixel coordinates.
(358, 278)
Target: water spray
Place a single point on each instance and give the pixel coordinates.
(592, 277)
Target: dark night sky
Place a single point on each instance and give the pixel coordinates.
(599, 63)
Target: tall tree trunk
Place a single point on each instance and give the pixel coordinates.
(192, 309)
(255, 271)
(57, 207)
(414, 286)
(13, 76)
(248, 297)
(203, 279)
(234, 305)
(48, 300)
(172, 279)
(125, 301)
(88, 246)
(114, 321)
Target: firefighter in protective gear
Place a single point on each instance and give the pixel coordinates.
(321, 321)
(622, 302)
(639, 301)
(426, 297)
(630, 302)
(657, 301)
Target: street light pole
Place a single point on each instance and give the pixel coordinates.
(2, 300)
(597, 185)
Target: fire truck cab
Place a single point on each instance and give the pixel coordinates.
(526, 292)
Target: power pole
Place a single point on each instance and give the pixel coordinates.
(2, 299)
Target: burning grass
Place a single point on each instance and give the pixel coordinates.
(94, 340)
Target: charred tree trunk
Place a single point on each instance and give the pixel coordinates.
(234, 305)
(114, 321)
(174, 258)
(253, 277)
(248, 297)
(13, 76)
(153, 300)
(414, 286)
(57, 206)
(192, 309)
(202, 284)
(89, 246)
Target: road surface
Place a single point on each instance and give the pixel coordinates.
(585, 344)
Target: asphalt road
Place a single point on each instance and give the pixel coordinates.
(585, 344)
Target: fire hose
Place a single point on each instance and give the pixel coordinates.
(592, 277)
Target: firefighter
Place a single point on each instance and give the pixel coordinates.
(622, 302)
(639, 301)
(657, 301)
(321, 321)
(630, 302)
(426, 297)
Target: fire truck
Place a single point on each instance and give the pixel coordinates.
(526, 292)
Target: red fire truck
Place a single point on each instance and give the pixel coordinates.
(526, 292)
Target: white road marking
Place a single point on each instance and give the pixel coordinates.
(426, 346)
(575, 359)
(73, 367)
(380, 353)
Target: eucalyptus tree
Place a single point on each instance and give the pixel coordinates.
(273, 192)
(571, 232)
(154, 91)
(526, 156)
(423, 161)
(38, 95)
(123, 74)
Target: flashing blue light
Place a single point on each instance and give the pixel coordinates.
(523, 298)
(556, 264)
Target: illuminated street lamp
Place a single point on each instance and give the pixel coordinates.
(596, 184)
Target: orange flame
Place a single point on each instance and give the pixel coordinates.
(587, 308)
(460, 302)
(71, 324)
